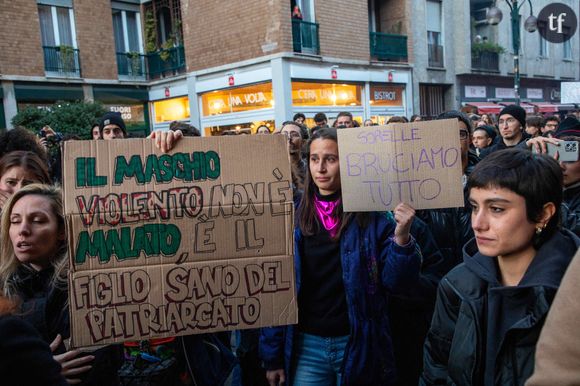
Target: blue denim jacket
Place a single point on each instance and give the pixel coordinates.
(373, 266)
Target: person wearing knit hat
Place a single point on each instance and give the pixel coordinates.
(512, 121)
(570, 127)
(112, 126)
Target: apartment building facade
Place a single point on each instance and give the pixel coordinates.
(236, 65)
(222, 66)
(465, 63)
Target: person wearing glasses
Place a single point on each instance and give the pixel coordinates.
(512, 122)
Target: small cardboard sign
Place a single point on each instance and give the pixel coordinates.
(417, 163)
(194, 241)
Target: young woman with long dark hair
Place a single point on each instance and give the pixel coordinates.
(346, 265)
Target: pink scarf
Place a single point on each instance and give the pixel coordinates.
(325, 210)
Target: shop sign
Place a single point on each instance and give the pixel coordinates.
(570, 92)
(238, 99)
(387, 95)
(535, 93)
(475, 92)
(325, 94)
(505, 93)
(129, 113)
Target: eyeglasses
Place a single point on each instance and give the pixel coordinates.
(509, 121)
(463, 134)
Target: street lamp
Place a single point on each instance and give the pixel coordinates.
(494, 16)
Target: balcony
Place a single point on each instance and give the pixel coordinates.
(62, 61)
(435, 53)
(388, 47)
(485, 61)
(131, 65)
(166, 62)
(305, 37)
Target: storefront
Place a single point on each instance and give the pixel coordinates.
(130, 102)
(237, 110)
(489, 94)
(386, 101)
(269, 93)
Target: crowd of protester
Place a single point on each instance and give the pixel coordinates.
(462, 296)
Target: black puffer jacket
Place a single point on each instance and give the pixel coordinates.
(42, 306)
(451, 227)
(45, 307)
(466, 316)
(571, 209)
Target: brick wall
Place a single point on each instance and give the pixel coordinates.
(217, 33)
(344, 28)
(20, 43)
(94, 27)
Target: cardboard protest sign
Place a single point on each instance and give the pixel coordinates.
(193, 241)
(418, 163)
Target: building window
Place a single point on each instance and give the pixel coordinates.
(306, 9)
(57, 26)
(434, 34)
(127, 30)
(168, 110)
(57, 31)
(128, 43)
(567, 50)
(543, 49)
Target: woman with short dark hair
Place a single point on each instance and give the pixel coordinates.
(490, 309)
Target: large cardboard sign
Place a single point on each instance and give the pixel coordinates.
(193, 241)
(417, 163)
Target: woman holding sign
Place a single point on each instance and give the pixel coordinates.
(490, 309)
(346, 266)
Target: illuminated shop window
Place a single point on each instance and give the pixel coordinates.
(326, 94)
(239, 128)
(169, 110)
(258, 96)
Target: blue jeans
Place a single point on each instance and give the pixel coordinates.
(318, 360)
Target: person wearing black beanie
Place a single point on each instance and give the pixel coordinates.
(512, 121)
(112, 126)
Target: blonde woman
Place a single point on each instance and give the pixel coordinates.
(33, 267)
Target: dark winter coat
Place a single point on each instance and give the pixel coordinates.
(500, 145)
(410, 314)
(571, 209)
(451, 227)
(25, 359)
(45, 307)
(374, 266)
(455, 350)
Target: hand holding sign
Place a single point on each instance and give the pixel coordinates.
(404, 216)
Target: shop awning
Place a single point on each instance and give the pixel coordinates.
(566, 107)
(529, 108)
(545, 107)
(485, 107)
